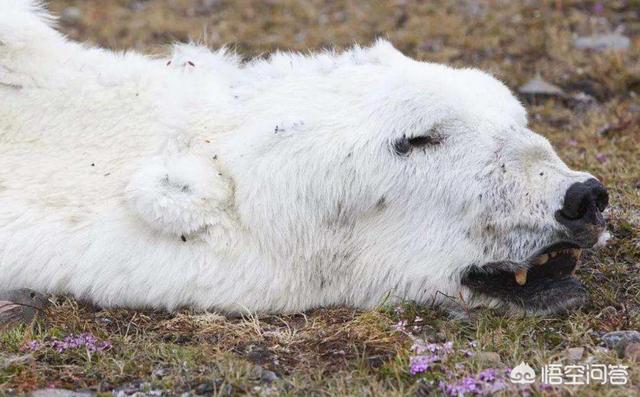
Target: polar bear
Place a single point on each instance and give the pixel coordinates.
(277, 185)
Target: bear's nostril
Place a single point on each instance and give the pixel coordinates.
(577, 207)
(584, 201)
(602, 199)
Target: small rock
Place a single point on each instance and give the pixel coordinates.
(131, 388)
(7, 361)
(538, 86)
(581, 101)
(268, 376)
(601, 42)
(205, 388)
(618, 340)
(20, 306)
(160, 372)
(61, 393)
(25, 296)
(70, 15)
(425, 388)
(137, 6)
(10, 313)
(488, 358)
(256, 372)
(582, 97)
(604, 130)
(207, 7)
(575, 353)
(632, 352)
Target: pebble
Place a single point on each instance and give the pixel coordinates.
(632, 352)
(488, 358)
(160, 372)
(268, 376)
(618, 340)
(7, 361)
(20, 306)
(601, 42)
(205, 388)
(538, 86)
(61, 393)
(70, 15)
(575, 353)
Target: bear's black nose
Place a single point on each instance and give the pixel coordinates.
(583, 205)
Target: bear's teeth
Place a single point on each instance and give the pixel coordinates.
(576, 254)
(521, 276)
(542, 259)
(553, 254)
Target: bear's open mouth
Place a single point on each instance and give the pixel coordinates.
(544, 282)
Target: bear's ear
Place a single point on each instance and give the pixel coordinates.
(180, 194)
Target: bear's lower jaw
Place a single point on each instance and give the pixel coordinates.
(542, 284)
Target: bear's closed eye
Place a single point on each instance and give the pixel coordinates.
(404, 145)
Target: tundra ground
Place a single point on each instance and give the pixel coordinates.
(595, 126)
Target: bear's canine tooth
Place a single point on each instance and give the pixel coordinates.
(521, 276)
(542, 259)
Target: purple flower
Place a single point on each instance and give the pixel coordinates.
(598, 8)
(85, 340)
(420, 364)
(468, 385)
(496, 387)
(486, 383)
(432, 347)
(488, 375)
(420, 346)
(33, 345)
(546, 387)
(400, 325)
(427, 354)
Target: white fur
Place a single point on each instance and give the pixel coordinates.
(278, 173)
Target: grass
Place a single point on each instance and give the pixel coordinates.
(340, 351)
